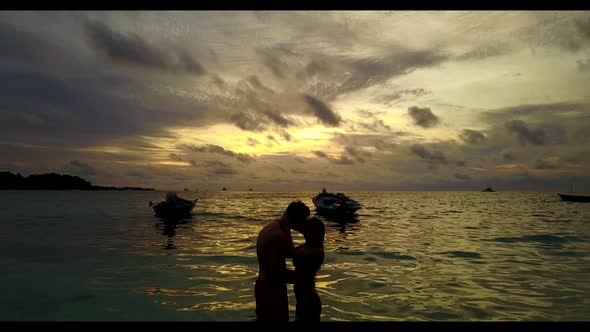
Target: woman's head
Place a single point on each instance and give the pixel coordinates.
(314, 232)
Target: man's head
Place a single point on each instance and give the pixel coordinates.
(297, 213)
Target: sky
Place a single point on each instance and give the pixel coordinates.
(299, 100)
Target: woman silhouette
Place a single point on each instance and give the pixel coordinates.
(308, 259)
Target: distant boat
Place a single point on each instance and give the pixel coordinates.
(489, 190)
(574, 198)
(250, 189)
(173, 206)
(186, 189)
(330, 203)
(224, 189)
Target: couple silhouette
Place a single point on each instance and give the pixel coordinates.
(273, 247)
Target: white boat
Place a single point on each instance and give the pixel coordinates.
(173, 206)
(330, 203)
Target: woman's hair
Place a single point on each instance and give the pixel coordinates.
(315, 232)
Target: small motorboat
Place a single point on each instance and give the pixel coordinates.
(574, 198)
(330, 203)
(173, 206)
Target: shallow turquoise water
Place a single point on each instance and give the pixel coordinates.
(416, 256)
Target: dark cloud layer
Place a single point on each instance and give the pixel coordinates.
(525, 134)
(277, 118)
(322, 111)
(366, 72)
(133, 50)
(24, 47)
(472, 136)
(212, 148)
(341, 160)
(80, 103)
(423, 117)
(427, 155)
(320, 154)
(220, 168)
(248, 122)
(544, 164)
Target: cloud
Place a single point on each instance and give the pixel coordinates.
(374, 123)
(510, 156)
(248, 122)
(545, 164)
(366, 72)
(81, 168)
(461, 176)
(381, 142)
(525, 134)
(175, 157)
(273, 59)
(252, 141)
(402, 94)
(318, 66)
(137, 174)
(486, 51)
(286, 135)
(277, 118)
(216, 149)
(25, 47)
(538, 124)
(271, 138)
(342, 160)
(322, 111)
(220, 168)
(357, 154)
(423, 117)
(570, 34)
(584, 65)
(297, 170)
(254, 81)
(59, 95)
(320, 154)
(583, 26)
(425, 154)
(419, 92)
(472, 136)
(67, 111)
(352, 150)
(218, 81)
(133, 50)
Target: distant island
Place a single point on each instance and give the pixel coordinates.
(52, 181)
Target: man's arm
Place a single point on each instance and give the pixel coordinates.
(280, 252)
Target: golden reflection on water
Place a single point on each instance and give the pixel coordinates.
(410, 256)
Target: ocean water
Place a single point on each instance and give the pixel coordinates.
(407, 256)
